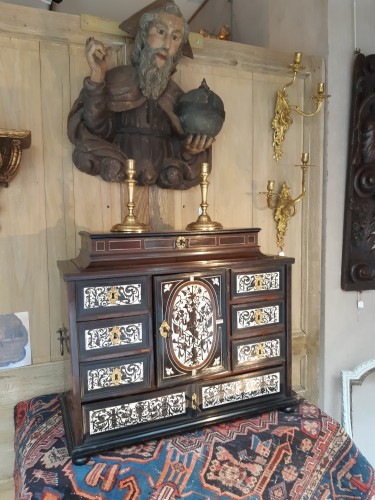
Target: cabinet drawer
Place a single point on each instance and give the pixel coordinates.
(240, 390)
(115, 376)
(108, 297)
(136, 412)
(114, 336)
(252, 317)
(253, 283)
(258, 351)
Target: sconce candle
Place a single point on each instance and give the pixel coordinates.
(297, 57)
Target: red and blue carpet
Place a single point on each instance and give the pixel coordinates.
(273, 456)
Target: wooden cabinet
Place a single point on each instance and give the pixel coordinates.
(168, 331)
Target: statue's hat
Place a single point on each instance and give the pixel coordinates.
(131, 24)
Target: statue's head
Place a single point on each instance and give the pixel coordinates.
(158, 46)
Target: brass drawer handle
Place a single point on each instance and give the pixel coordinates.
(194, 399)
(115, 335)
(181, 242)
(258, 281)
(260, 351)
(113, 295)
(164, 329)
(116, 376)
(258, 316)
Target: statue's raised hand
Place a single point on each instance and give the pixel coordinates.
(196, 144)
(98, 57)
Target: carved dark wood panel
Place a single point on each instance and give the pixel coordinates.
(358, 261)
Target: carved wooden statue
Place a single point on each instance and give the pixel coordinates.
(358, 263)
(129, 112)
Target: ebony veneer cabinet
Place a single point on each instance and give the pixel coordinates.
(171, 331)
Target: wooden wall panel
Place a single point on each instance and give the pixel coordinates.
(22, 206)
(55, 96)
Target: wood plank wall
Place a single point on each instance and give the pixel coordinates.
(42, 65)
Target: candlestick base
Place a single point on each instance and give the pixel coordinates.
(204, 224)
(130, 226)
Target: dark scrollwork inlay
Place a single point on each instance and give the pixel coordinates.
(193, 325)
(138, 412)
(358, 259)
(109, 296)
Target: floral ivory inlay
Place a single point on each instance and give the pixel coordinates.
(110, 376)
(247, 318)
(138, 412)
(110, 296)
(255, 282)
(99, 338)
(240, 390)
(257, 351)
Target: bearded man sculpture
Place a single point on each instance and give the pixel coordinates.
(130, 111)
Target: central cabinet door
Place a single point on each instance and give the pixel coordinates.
(190, 326)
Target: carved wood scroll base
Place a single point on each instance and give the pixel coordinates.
(358, 261)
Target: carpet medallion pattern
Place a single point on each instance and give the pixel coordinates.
(273, 456)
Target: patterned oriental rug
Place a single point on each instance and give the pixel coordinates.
(273, 456)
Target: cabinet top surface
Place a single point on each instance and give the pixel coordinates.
(111, 251)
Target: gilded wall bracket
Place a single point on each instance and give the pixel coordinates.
(12, 142)
(282, 203)
(282, 119)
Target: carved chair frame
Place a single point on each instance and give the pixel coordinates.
(348, 379)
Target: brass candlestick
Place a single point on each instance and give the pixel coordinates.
(204, 222)
(130, 223)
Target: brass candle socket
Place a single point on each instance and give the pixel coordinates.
(282, 119)
(130, 223)
(282, 203)
(204, 222)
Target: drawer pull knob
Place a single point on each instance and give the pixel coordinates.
(164, 329)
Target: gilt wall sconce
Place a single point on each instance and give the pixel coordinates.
(282, 203)
(12, 142)
(282, 119)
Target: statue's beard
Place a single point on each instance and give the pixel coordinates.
(153, 80)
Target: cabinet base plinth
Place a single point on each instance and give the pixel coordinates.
(81, 453)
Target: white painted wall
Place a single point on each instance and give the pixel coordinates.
(326, 28)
